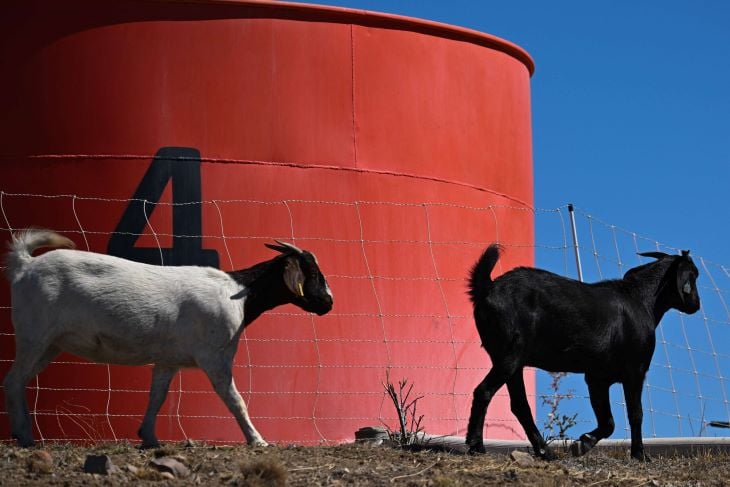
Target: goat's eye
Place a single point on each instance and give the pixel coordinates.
(687, 289)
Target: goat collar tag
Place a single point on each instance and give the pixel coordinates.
(687, 288)
(300, 288)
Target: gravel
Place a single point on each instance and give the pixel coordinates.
(351, 464)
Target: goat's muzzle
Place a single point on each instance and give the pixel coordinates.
(321, 306)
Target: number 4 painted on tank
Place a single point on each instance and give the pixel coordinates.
(182, 166)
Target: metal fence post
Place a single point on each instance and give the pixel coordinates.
(575, 242)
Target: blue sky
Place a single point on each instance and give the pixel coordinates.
(631, 107)
(631, 123)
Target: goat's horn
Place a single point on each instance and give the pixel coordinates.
(685, 253)
(656, 255)
(284, 247)
(290, 246)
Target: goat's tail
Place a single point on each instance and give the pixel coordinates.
(480, 276)
(23, 244)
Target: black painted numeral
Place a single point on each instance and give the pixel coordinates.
(181, 166)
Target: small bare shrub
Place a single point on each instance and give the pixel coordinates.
(406, 408)
(557, 425)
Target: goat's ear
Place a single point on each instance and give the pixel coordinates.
(684, 272)
(656, 255)
(294, 277)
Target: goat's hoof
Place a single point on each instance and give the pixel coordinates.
(26, 442)
(148, 437)
(546, 453)
(641, 456)
(577, 449)
(477, 449)
(147, 445)
(475, 444)
(259, 442)
(583, 445)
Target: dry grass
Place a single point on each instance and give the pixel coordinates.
(357, 465)
(266, 472)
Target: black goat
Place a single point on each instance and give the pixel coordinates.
(606, 330)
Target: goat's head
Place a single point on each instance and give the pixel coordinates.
(304, 279)
(680, 280)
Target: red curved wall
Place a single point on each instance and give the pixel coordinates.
(368, 138)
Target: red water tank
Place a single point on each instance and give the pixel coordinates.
(193, 132)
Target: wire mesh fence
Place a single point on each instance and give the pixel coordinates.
(398, 272)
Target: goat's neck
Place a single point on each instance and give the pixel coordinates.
(258, 303)
(265, 288)
(659, 310)
(653, 286)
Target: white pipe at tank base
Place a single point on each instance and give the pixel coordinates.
(683, 446)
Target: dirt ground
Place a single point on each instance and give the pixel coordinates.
(353, 464)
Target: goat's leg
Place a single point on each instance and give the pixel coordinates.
(28, 363)
(521, 409)
(483, 395)
(598, 390)
(220, 375)
(632, 394)
(161, 378)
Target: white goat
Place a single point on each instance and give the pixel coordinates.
(115, 311)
